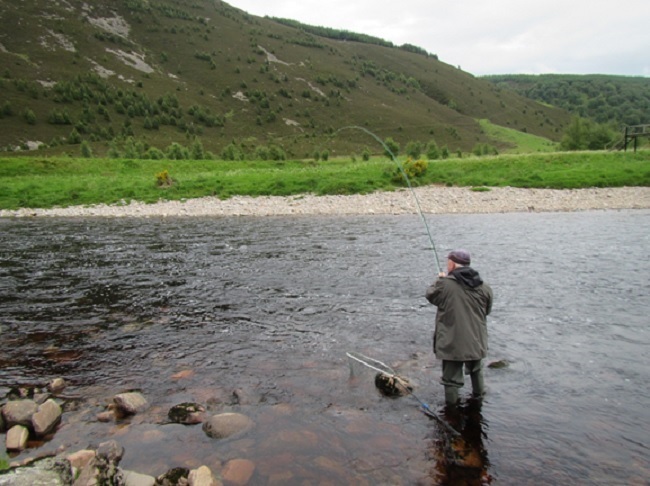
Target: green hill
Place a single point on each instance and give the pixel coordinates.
(153, 72)
(621, 100)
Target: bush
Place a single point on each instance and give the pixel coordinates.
(414, 149)
(392, 147)
(433, 152)
(412, 169)
(86, 150)
(163, 179)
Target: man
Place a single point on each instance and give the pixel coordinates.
(460, 336)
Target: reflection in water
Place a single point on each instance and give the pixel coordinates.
(461, 460)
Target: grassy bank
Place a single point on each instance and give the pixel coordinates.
(38, 182)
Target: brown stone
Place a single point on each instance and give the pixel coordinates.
(17, 438)
(46, 418)
(19, 412)
(202, 477)
(226, 425)
(130, 403)
(238, 471)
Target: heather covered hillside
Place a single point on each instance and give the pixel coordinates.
(141, 75)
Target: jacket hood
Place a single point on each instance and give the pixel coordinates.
(467, 276)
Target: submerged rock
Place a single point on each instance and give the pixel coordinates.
(238, 471)
(499, 364)
(226, 425)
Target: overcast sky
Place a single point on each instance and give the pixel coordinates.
(493, 36)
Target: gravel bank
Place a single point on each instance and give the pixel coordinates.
(433, 199)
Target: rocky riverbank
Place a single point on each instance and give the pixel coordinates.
(432, 199)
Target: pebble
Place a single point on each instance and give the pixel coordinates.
(432, 199)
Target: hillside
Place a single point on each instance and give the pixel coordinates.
(621, 100)
(140, 73)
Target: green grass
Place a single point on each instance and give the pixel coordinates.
(519, 142)
(38, 182)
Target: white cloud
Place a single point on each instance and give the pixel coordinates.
(500, 36)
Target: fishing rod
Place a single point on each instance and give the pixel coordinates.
(408, 183)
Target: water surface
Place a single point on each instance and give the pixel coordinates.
(256, 315)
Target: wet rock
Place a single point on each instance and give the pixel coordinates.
(173, 477)
(103, 468)
(132, 478)
(238, 471)
(19, 412)
(16, 439)
(107, 416)
(392, 386)
(46, 418)
(226, 425)
(110, 451)
(50, 472)
(56, 385)
(81, 459)
(40, 398)
(130, 403)
(202, 477)
(499, 364)
(186, 413)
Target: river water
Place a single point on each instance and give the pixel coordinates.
(256, 315)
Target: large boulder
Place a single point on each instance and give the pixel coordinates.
(226, 425)
(46, 417)
(19, 412)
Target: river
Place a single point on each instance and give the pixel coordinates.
(256, 315)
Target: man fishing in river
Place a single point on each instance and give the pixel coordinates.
(460, 336)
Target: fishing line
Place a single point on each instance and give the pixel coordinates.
(386, 370)
(408, 183)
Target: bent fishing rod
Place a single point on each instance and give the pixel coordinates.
(408, 183)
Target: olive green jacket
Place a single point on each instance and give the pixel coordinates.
(461, 321)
